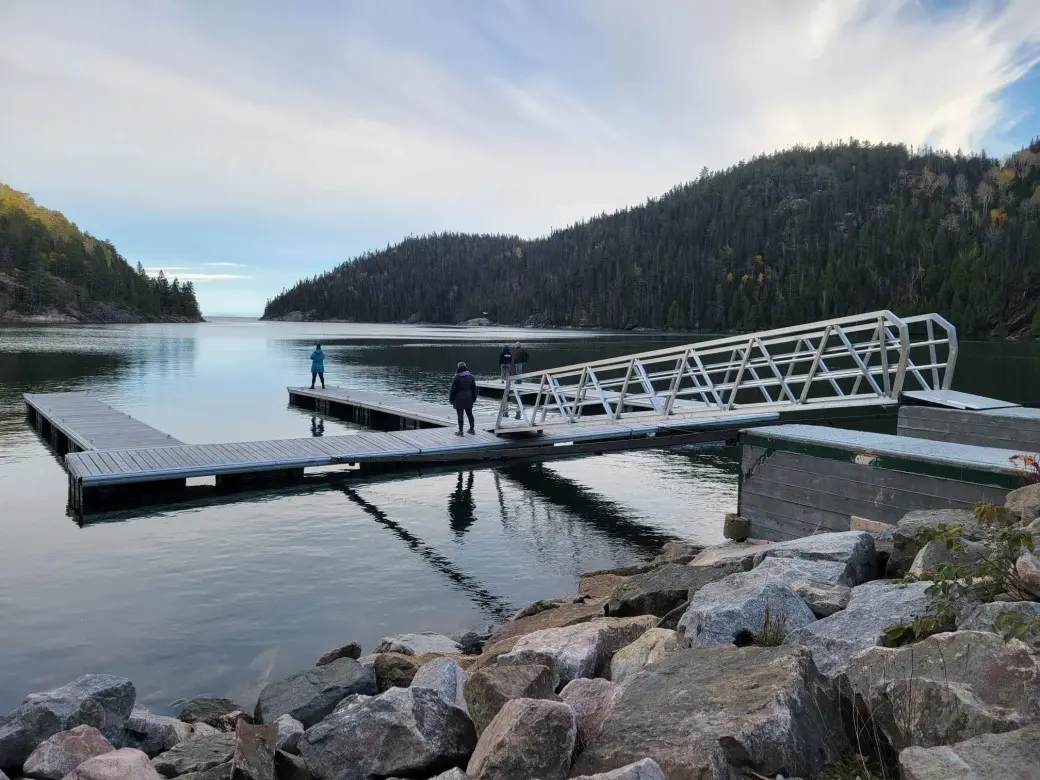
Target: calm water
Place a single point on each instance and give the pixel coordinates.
(217, 598)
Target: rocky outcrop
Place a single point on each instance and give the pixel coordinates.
(853, 549)
(631, 659)
(661, 590)
(349, 650)
(56, 756)
(577, 651)
(1009, 756)
(980, 617)
(946, 688)
(254, 752)
(1025, 502)
(312, 694)
(528, 738)
(209, 710)
(196, 755)
(592, 701)
(488, 690)
(444, 676)
(717, 712)
(98, 700)
(904, 535)
(155, 734)
(418, 644)
(428, 734)
(647, 769)
(123, 764)
(873, 607)
(289, 731)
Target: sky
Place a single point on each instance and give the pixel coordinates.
(246, 144)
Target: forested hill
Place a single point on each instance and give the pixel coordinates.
(792, 237)
(51, 271)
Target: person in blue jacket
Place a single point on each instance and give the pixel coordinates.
(318, 366)
(462, 395)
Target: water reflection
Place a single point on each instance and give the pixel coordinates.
(317, 426)
(461, 506)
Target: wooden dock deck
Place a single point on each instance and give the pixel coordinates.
(75, 422)
(374, 409)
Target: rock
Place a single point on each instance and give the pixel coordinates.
(349, 650)
(471, 640)
(722, 712)
(312, 694)
(821, 580)
(528, 738)
(904, 536)
(678, 552)
(418, 644)
(1009, 756)
(822, 599)
(123, 764)
(946, 688)
(502, 641)
(542, 605)
(592, 701)
(290, 767)
(393, 670)
(452, 774)
(155, 734)
(56, 756)
(980, 617)
(289, 732)
(487, 690)
(729, 556)
(254, 752)
(98, 700)
(230, 721)
(583, 650)
(208, 710)
(935, 553)
(195, 755)
(647, 769)
(403, 732)
(444, 676)
(1025, 502)
(631, 659)
(735, 527)
(1028, 568)
(660, 591)
(739, 609)
(874, 606)
(854, 549)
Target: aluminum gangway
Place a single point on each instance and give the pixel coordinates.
(863, 360)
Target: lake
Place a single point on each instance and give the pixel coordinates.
(218, 598)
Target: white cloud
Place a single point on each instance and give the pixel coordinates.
(225, 265)
(508, 116)
(194, 276)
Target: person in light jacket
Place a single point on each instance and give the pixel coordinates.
(318, 366)
(462, 395)
(519, 358)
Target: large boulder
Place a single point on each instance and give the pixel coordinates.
(1028, 568)
(288, 766)
(123, 764)
(154, 734)
(56, 756)
(722, 712)
(661, 590)
(528, 738)
(1025, 502)
(349, 650)
(874, 606)
(471, 640)
(1008, 756)
(980, 617)
(904, 535)
(631, 659)
(445, 676)
(99, 700)
(289, 731)
(418, 644)
(254, 752)
(210, 710)
(677, 551)
(647, 769)
(854, 549)
(583, 650)
(822, 599)
(487, 690)
(592, 701)
(729, 557)
(403, 732)
(935, 554)
(312, 694)
(946, 688)
(393, 670)
(195, 755)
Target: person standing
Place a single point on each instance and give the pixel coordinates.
(505, 362)
(318, 366)
(519, 358)
(462, 395)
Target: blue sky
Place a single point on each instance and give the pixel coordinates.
(247, 144)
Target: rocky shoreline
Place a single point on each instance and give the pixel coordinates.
(742, 660)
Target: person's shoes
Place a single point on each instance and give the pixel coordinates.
(458, 433)
(472, 432)
(517, 415)
(312, 387)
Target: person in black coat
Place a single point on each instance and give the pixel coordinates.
(463, 394)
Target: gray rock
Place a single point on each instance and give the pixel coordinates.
(1010, 756)
(290, 767)
(195, 755)
(946, 688)
(581, 650)
(592, 701)
(730, 557)
(821, 598)
(1025, 502)
(349, 650)
(659, 591)
(155, 734)
(1028, 568)
(980, 617)
(647, 769)
(289, 732)
(123, 764)
(542, 605)
(56, 756)
(209, 710)
(631, 659)
(219, 772)
(254, 752)
(904, 536)
(738, 608)
(821, 580)
(452, 774)
(855, 549)
(874, 606)
(678, 552)
(471, 640)
(393, 670)
(528, 738)
(445, 676)
(418, 644)
(404, 731)
(722, 712)
(487, 690)
(312, 694)
(935, 554)
(98, 700)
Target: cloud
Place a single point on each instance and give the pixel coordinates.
(513, 116)
(194, 276)
(226, 265)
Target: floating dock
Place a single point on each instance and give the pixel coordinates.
(1005, 427)
(77, 422)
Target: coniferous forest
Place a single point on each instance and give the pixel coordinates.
(802, 235)
(51, 270)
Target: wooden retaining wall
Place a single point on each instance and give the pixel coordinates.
(1014, 428)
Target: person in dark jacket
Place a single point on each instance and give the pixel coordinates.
(505, 362)
(463, 394)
